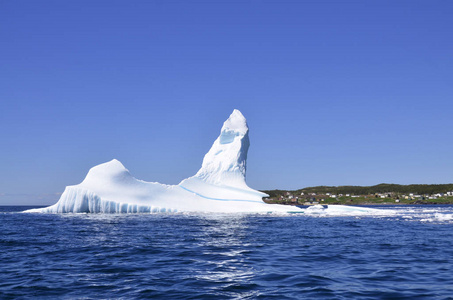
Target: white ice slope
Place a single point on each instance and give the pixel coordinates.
(219, 186)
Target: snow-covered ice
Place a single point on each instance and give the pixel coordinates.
(219, 186)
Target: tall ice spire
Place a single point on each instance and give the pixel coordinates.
(225, 163)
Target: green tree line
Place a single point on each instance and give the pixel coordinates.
(422, 189)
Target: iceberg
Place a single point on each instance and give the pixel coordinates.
(219, 186)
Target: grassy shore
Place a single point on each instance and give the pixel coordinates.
(362, 200)
(381, 194)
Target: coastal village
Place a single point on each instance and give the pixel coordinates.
(313, 198)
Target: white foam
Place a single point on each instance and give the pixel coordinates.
(346, 210)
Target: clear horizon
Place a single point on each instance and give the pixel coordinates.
(351, 93)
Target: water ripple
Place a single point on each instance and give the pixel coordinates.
(221, 256)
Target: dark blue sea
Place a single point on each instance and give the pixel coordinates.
(407, 255)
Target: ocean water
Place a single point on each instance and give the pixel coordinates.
(405, 255)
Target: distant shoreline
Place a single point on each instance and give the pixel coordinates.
(365, 203)
(381, 194)
(374, 204)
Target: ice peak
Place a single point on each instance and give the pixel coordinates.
(113, 165)
(113, 169)
(236, 122)
(225, 163)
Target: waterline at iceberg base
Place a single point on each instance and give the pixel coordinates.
(219, 186)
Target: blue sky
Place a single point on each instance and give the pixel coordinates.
(335, 92)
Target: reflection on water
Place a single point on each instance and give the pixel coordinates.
(223, 240)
